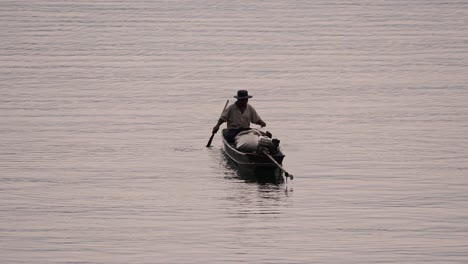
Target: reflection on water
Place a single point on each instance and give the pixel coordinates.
(250, 199)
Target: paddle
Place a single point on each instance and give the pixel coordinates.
(212, 134)
(286, 174)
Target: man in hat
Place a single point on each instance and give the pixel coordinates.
(239, 116)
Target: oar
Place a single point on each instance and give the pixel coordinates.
(212, 134)
(277, 164)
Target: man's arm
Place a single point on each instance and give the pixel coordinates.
(261, 123)
(223, 118)
(216, 128)
(256, 119)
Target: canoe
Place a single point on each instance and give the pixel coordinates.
(256, 166)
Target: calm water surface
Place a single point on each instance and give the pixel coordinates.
(106, 108)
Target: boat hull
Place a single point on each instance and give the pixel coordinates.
(254, 167)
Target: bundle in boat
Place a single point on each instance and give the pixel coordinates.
(252, 140)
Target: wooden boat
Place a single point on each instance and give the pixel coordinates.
(263, 165)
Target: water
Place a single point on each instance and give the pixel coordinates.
(106, 108)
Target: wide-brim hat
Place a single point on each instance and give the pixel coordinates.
(242, 94)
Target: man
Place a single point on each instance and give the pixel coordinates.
(239, 116)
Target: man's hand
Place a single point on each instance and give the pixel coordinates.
(261, 123)
(215, 129)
